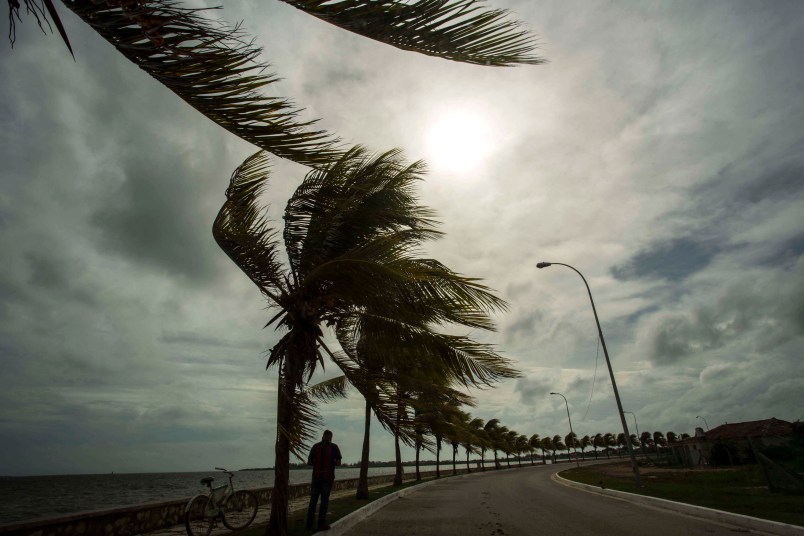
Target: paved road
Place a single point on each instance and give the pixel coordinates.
(524, 502)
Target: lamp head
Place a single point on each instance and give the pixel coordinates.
(543, 265)
(553, 393)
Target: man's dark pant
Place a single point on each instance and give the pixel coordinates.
(319, 487)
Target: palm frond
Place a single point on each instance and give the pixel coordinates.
(356, 199)
(242, 231)
(459, 30)
(212, 68)
(329, 390)
(37, 9)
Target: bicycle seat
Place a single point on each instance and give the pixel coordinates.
(207, 480)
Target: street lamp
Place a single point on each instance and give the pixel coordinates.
(634, 465)
(572, 434)
(704, 420)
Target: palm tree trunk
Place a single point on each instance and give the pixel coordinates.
(496, 460)
(362, 483)
(288, 381)
(454, 453)
(468, 469)
(398, 475)
(438, 457)
(483, 460)
(418, 450)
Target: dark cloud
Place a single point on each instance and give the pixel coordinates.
(530, 389)
(673, 260)
(770, 312)
(155, 218)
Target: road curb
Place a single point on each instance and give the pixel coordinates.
(748, 522)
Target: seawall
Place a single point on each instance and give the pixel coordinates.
(144, 518)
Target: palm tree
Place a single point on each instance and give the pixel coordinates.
(480, 439)
(522, 446)
(547, 445)
(622, 443)
(558, 444)
(659, 442)
(511, 438)
(215, 70)
(610, 441)
(533, 443)
(493, 433)
(598, 442)
(586, 441)
(350, 230)
(645, 441)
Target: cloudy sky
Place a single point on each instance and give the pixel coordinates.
(660, 152)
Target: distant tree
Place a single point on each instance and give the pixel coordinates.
(492, 429)
(645, 442)
(585, 443)
(558, 444)
(547, 445)
(534, 443)
(598, 442)
(611, 442)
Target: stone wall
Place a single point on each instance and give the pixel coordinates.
(132, 520)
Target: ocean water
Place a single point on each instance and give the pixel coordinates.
(26, 498)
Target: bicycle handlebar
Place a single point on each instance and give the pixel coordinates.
(231, 474)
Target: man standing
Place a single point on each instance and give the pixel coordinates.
(324, 456)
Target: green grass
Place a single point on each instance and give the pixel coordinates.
(338, 508)
(740, 490)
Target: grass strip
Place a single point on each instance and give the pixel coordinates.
(740, 490)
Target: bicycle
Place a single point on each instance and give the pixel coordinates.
(237, 509)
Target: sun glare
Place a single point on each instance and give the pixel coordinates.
(458, 141)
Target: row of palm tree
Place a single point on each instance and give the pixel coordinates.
(346, 263)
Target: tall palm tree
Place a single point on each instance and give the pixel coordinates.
(216, 69)
(351, 230)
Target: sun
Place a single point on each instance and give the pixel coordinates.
(458, 141)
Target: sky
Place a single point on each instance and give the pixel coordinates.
(660, 152)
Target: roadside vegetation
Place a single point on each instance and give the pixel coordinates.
(740, 489)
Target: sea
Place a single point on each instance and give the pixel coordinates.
(25, 498)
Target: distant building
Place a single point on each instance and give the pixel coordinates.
(733, 440)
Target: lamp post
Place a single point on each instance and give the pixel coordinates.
(572, 434)
(704, 420)
(634, 465)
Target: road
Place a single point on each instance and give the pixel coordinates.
(524, 502)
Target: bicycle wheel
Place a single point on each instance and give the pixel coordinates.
(239, 510)
(197, 520)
